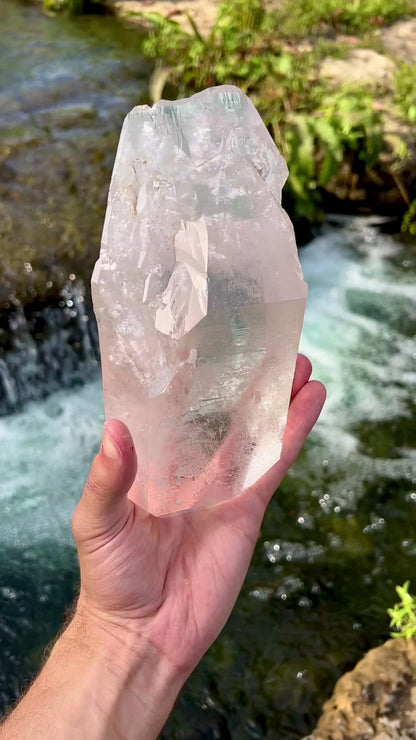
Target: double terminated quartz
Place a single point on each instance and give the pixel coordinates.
(199, 297)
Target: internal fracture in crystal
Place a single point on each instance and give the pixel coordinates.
(199, 298)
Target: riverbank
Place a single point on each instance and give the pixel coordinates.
(66, 86)
(362, 59)
(337, 93)
(203, 12)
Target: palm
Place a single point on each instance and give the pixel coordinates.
(176, 579)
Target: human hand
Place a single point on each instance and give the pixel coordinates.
(154, 594)
(171, 583)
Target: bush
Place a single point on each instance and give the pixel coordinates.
(314, 126)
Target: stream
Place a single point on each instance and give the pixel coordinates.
(341, 531)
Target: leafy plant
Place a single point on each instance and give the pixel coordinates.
(409, 220)
(313, 125)
(405, 92)
(316, 142)
(239, 47)
(403, 614)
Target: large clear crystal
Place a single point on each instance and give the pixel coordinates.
(199, 298)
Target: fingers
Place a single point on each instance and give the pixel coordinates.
(303, 415)
(111, 476)
(304, 411)
(303, 371)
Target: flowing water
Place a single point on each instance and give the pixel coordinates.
(339, 534)
(337, 537)
(65, 85)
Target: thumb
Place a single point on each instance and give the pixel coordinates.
(112, 473)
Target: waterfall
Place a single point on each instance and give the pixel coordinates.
(49, 347)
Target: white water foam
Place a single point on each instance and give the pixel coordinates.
(368, 367)
(363, 381)
(45, 454)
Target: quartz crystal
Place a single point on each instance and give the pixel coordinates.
(199, 298)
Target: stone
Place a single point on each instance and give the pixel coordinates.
(203, 12)
(400, 39)
(364, 67)
(199, 298)
(377, 699)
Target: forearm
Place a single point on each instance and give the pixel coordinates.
(96, 686)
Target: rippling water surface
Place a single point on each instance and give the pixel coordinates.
(339, 534)
(341, 531)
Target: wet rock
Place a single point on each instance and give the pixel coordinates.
(376, 700)
(362, 66)
(46, 347)
(65, 116)
(400, 39)
(23, 135)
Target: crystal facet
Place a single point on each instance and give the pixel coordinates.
(199, 298)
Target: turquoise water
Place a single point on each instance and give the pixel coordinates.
(341, 531)
(338, 536)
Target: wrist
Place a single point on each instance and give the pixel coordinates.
(131, 685)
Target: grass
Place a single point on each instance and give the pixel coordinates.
(306, 17)
(317, 127)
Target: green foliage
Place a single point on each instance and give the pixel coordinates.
(350, 16)
(405, 99)
(403, 614)
(405, 92)
(316, 142)
(314, 126)
(239, 48)
(60, 6)
(409, 220)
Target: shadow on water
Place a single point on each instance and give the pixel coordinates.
(38, 584)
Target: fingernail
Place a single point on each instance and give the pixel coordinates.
(110, 448)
